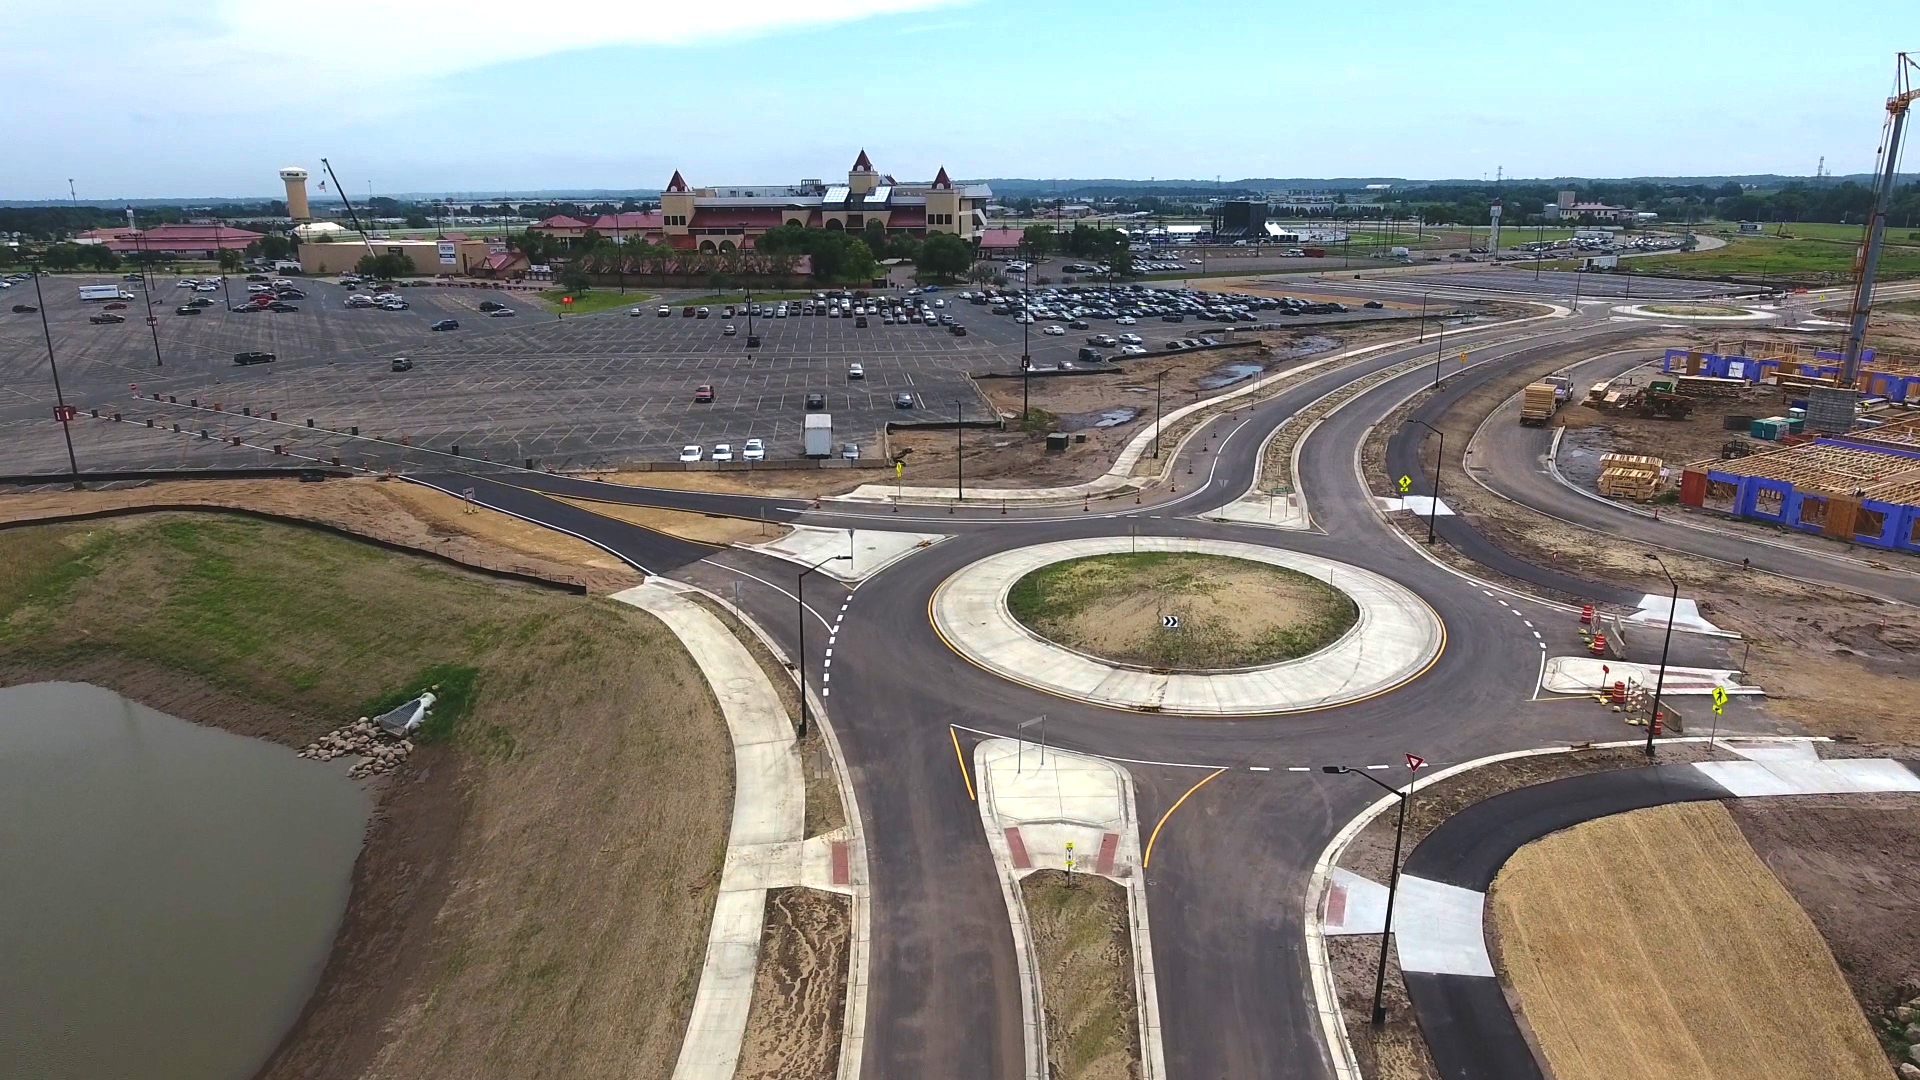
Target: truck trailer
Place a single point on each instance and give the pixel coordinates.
(98, 294)
(818, 435)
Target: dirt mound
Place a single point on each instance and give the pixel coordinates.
(1231, 612)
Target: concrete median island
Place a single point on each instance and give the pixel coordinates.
(1230, 613)
(1387, 636)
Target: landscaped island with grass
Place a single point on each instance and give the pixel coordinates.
(534, 894)
(1230, 613)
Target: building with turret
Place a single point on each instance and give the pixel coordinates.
(726, 217)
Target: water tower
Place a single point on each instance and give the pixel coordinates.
(296, 180)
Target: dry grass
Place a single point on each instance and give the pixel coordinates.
(800, 990)
(1085, 956)
(700, 528)
(1233, 612)
(563, 918)
(1656, 944)
(397, 512)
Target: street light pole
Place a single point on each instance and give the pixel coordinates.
(1439, 350)
(1660, 684)
(1393, 876)
(800, 599)
(1157, 378)
(59, 398)
(1423, 318)
(959, 453)
(1440, 456)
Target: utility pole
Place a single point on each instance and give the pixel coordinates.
(1660, 684)
(60, 401)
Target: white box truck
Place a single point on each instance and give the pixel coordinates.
(819, 435)
(95, 294)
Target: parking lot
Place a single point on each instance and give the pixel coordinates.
(584, 391)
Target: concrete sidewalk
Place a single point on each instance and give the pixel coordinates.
(873, 550)
(1397, 637)
(1584, 675)
(766, 845)
(1037, 806)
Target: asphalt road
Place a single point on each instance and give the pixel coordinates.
(1228, 873)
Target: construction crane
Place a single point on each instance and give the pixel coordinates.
(342, 192)
(1903, 96)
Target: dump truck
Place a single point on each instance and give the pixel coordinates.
(1540, 400)
(818, 434)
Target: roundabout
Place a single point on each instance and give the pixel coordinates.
(1393, 636)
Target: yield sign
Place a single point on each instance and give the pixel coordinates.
(1415, 762)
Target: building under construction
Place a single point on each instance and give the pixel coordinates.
(1791, 365)
(1862, 486)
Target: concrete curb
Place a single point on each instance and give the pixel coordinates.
(769, 823)
(1326, 998)
(1146, 987)
(854, 1029)
(1119, 477)
(1396, 637)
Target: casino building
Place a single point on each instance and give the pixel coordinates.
(727, 217)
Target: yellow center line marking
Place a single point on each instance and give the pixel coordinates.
(962, 759)
(1148, 857)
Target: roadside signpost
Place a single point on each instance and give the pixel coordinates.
(1406, 482)
(1169, 622)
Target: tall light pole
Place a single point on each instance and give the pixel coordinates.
(1660, 684)
(959, 454)
(1423, 318)
(1439, 350)
(1440, 456)
(59, 398)
(1393, 874)
(1157, 378)
(147, 284)
(800, 599)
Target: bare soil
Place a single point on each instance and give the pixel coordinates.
(1085, 955)
(776, 483)
(1657, 944)
(1853, 864)
(1233, 613)
(392, 511)
(687, 525)
(1395, 1050)
(534, 892)
(800, 991)
(1833, 663)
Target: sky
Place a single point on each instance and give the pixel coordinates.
(174, 99)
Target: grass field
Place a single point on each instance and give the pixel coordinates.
(582, 794)
(594, 300)
(1234, 612)
(1657, 945)
(1799, 260)
(1085, 956)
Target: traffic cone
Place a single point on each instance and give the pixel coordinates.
(1586, 615)
(1598, 646)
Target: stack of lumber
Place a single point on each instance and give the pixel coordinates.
(1630, 476)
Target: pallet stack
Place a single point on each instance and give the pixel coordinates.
(1630, 476)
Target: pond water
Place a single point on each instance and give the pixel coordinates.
(168, 892)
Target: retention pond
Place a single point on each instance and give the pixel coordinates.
(168, 892)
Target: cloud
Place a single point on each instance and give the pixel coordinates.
(198, 47)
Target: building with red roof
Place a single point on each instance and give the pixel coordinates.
(174, 241)
(727, 217)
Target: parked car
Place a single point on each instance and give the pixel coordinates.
(691, 452)
(402, 363)
(500, 313)
(753, 450)
(903, 400)
(634, 313)
(860, 323)
(491, 305)
(1055, 331)
(245, 359)
(117, 305)
(200, 302)
(446, 324)
(850, 451)
(663, 311)
(1374, 304)
(957, 330)
(723, 451)
(816, 401)
(729, 330)
(701, 313)
(856, 371)
(281, 306)
(183, 309)
(703, 393)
